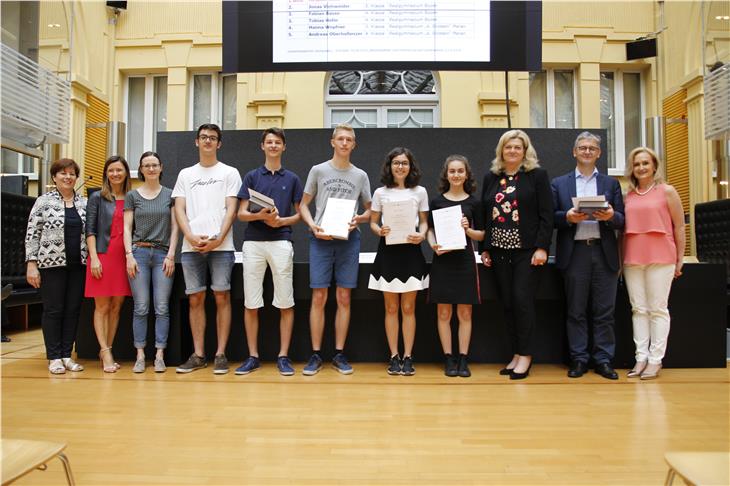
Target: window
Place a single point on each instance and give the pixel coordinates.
(622, 113)
(145, 114)
(17, 163)
(379, 99)
(552, 99)
(214, 100)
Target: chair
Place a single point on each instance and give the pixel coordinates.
(19, 457)
(698, 468)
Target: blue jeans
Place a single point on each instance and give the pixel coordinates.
(149, 264)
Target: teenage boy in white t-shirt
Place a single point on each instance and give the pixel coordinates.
(205, 208)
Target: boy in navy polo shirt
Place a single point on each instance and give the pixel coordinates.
(267, 241)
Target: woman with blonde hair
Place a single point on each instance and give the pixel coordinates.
(518, 224)
(654, 245)
(106, 273)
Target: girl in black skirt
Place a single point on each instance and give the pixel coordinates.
(399, 270)
(454, 273)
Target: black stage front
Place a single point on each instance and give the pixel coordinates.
(697, 338)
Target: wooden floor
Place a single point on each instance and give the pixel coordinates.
(367, 428)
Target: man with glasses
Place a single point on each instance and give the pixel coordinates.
(205, 208)
(267, 242)
(587, 254)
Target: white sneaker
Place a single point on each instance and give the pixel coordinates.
(72, 365)
(56, 367)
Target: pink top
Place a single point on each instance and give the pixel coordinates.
(649, 231)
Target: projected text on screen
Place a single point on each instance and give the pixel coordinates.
(381, 31)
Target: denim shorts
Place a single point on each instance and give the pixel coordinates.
(341, 257)
(195, 267)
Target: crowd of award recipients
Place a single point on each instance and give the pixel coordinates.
(122, 242)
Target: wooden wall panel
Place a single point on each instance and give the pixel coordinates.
(95, 148)
(677, 151)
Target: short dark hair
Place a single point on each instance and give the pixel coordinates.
(62, 164)
(274, 131)
(210, 126)
(414, 174)
(469, 184)
(149, 153)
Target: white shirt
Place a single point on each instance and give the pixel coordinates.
(205, 190)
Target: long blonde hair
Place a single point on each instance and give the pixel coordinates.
(528, 163)
(629, 171)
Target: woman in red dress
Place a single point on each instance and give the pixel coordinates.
(106, 272)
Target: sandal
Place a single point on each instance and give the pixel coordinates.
(56, 367)
(72, 365)
(112, 368)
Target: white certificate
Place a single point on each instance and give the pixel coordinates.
(401, 217)
(206, 224)
(337, 216)
(447, 225)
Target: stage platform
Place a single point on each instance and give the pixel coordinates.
(697, 305)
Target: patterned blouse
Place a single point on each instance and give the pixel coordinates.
(45, 237)
(505, 214)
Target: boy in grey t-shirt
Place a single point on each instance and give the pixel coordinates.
(335, 178)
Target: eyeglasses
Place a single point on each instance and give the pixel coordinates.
(205, 138)
(584, 148)
(151, 166)
(399, 163)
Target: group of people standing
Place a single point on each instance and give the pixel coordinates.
(127, 239)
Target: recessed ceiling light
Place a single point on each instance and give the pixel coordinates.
(54, 25)
(722, 17)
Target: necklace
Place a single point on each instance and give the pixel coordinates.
(645, 192)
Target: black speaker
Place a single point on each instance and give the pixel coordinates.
(640, 49)
(16, 184)
(117, 5)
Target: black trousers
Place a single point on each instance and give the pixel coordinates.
(62, 290)
(517, 283)
(590, 286)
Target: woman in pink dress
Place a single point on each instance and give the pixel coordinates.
(106, 272)
(653, 250)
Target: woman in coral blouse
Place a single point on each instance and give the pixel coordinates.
(653, 249)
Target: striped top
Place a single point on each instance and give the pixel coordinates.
(151, 217)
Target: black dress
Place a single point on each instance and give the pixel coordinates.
(454, 277)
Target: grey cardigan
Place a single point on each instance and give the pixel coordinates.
(99, 215)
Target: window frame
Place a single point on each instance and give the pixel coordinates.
(618, 109)
(216, 97)
(382, 103)
(149, 114)
(550, 95)
(32, 176)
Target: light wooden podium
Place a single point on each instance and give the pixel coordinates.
(19, 457)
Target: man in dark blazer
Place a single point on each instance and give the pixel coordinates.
(587, 254)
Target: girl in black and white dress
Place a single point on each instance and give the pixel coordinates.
(454, 273)
(399, 270)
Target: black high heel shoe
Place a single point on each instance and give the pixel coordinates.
(520, 376)
(505, 371)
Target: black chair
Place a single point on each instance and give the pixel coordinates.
(15, 211)
(712, 233)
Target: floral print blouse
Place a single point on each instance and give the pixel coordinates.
(506, 214)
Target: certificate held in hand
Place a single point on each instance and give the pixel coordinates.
(337, 216)
(400, 217)
(447, 226)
